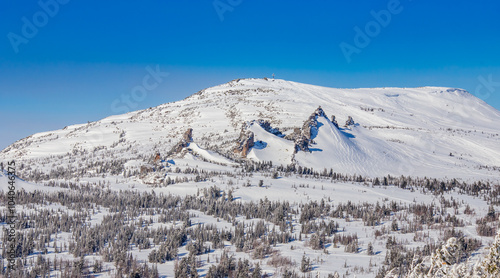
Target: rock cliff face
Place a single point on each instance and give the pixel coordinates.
(188, 135)
(247, 138)
(186, 139)
(301, 144)
(245, 142)
(349, 121)
(305, 136)
(266, 125)
(334, 121)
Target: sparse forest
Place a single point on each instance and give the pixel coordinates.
(168, 229)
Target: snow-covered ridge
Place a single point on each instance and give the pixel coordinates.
(426, 131)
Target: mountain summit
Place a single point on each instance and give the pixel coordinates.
(426, 131)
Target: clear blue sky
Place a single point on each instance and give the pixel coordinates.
(69, 63)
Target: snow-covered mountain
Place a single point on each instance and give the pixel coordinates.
(427, 131)
(168, 190)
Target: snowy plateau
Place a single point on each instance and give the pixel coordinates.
(264, 178)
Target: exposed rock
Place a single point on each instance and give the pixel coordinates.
(247, 138)
(312, 123)
(295, 134)
(304, 138)
(349, 121)
(245, 142)
(319, 112)
(334, 121)
(153, 178)
(302, 144)
(188, 135)
(266, 125)
(157, 158)
(183, 143)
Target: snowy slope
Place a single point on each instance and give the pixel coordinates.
(427, 131)
(209, 155)
(344, 149)
(270, 147)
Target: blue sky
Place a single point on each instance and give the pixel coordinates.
(69, 61)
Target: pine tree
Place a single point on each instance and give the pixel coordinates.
(394, 225)
(370, 249)
(491, 213)
(305, 264)
(257, 272)
(491, 264)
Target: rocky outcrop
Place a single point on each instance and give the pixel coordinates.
(157, 158)
(183, 143)
(334, 121)
(247, 138)
(349, 121)
(304, 137)
(188, 135)
(245, 142)
(296, 133)
(311, 124)
(266, 125)
(302, 144)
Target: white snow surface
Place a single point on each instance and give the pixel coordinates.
(209, 155)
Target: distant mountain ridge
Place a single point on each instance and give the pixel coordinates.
(427, 131)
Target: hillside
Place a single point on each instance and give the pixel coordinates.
(427, 131)
(264, 178)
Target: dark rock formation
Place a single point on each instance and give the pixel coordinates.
(349, 121)
(157, 158)
(245, 142)
(302, 144)
(295, 134)
(188, 135)
(186, 139)
(247, 139)
(303, 137)
(266, 125)
(334, 121)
